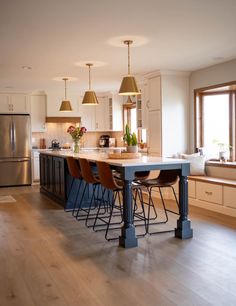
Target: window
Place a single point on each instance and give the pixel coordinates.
(215, 120)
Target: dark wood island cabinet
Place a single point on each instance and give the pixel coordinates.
(54, 177)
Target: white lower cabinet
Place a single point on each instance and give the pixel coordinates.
(35, 166)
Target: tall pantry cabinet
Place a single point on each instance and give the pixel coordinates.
(165, 111)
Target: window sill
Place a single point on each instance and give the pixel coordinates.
(221, 164)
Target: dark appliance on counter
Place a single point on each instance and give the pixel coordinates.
(15, 150)
(104, 141)
(55, 145)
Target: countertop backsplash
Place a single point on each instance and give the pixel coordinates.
(58, 131)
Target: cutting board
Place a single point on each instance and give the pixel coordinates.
(124, 155)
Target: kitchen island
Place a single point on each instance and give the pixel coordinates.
(54, 181)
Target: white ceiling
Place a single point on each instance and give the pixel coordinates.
(52, 35)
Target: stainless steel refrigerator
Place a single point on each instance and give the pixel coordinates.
(15, 150)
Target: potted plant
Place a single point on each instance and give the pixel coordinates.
(131, 140)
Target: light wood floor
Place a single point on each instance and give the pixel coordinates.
(48, 258)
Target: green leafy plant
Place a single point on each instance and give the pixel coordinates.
(130, 138)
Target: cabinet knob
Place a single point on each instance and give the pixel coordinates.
(148, 104)
(208, 192)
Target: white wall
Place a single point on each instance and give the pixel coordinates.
(218, 74)
(175, 109)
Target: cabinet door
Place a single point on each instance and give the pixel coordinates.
(154, 94)
(116, 113)
(43, 171)
(59, 177)
(230, 196)
(38, 113)
(20, 103)
(87, 114)
(142, 110)
(35, 168)
(5, 106)
(154, 132)
(209, 192)
(102, 114)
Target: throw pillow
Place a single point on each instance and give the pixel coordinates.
(197, 163)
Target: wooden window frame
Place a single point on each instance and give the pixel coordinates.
(199, 114)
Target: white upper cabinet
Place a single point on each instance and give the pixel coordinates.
(14, 103)
(87, 114)
(115, 113)
(38, 112)
(154, 93)
(102, 114)
(103, 117)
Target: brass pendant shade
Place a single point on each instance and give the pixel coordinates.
(90, 97)
(65, 104)
(129, 85)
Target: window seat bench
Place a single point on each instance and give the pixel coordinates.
(213, 193)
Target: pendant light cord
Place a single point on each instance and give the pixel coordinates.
(89, 78)
(128, 58)
(65, 90)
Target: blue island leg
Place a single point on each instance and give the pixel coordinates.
(128, 237)
(183, 229)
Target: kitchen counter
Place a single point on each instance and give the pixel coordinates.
(56, 181)
(103, 156)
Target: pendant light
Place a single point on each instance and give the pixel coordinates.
(65, 104)
(128, 85)
(90, 96)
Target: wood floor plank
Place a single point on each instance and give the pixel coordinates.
(49, 258)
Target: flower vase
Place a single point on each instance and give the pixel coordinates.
(76, 146)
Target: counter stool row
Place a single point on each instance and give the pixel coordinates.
(104, 209)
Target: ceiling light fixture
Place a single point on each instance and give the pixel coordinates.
(128, 85)
(26, 67)
(65, 104)
(90, 96)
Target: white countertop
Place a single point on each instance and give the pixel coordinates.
(143, 160)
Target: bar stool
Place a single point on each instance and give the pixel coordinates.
(75, 173)
(111, 184)
(113, 187)
(165, 179)
(90, 179)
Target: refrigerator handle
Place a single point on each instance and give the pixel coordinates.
(13, 136)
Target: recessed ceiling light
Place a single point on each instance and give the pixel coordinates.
(26, 67)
